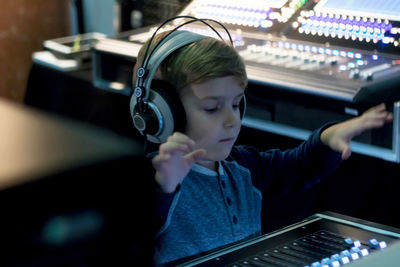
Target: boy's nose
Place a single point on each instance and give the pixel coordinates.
(231, 118)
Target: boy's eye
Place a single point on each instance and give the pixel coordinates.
(211, 110)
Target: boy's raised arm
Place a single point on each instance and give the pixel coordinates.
(338, 136)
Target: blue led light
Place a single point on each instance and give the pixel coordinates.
(351, 65)
(374, 57)
(358, 55)
(360, 62)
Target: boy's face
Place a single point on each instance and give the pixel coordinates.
(213, 116)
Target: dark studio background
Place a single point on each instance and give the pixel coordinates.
(363, 187)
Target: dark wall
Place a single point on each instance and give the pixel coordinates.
(24, 25)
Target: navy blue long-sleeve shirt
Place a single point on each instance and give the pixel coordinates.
(211, 209)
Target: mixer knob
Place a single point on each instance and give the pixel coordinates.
(354, 74)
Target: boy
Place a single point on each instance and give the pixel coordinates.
(210, 192)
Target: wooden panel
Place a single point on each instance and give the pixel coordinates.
(24, 25)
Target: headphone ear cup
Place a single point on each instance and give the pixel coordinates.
(242, 107)
(164, 115)
(175, 106)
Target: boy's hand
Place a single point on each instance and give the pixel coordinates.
(174, 160)
(338, 136)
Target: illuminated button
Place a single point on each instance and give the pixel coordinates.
(344, 260)
(364, 252)
(382, 244)
(335, 257)
(316, 264)
(354, 256)
(355, 249)
(325, 261)
(351, 65)
(345, 253)
(374, 57)
(348, 242)
(373, 243)
(357, 243)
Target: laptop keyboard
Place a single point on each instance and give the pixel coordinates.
(321, 248)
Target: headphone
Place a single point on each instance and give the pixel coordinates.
(155, 107)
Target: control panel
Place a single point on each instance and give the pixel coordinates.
(345, 53)
(324, 239)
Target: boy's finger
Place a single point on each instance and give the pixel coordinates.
(181, 138)
(157, 160)
(171, 147)
(346, 153)
(379, 107)
(195, 155)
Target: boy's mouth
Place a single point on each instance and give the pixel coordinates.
(226, 139)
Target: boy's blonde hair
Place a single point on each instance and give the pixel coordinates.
(196, 63)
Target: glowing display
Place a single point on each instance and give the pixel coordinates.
(383, 9)
(251, 13)
(356, 20)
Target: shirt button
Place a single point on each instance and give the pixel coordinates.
(234, 220)
(223, 184)
(229, 201)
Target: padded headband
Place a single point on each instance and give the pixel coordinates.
(171, 43)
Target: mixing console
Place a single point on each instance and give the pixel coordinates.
(334, 48)
(337, 51)
(323, 240)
